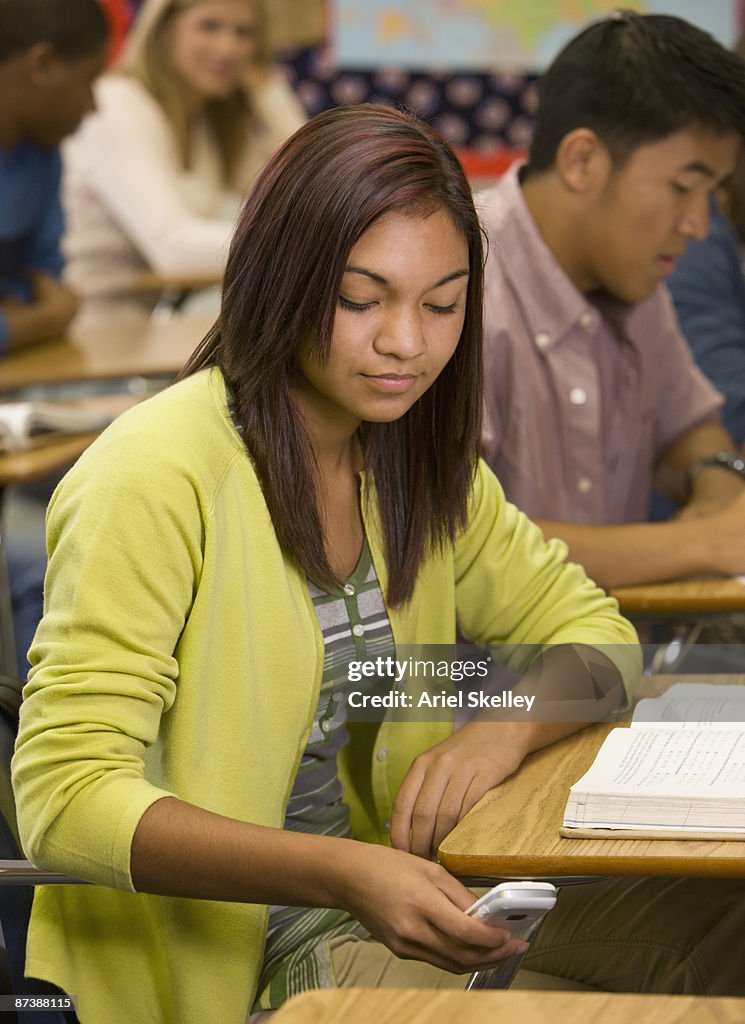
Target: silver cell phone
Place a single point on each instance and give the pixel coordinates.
(519, 907)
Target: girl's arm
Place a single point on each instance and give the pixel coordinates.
(413, 906)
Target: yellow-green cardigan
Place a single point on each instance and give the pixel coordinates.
(180, 655)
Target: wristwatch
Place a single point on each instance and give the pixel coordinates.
(724, 460)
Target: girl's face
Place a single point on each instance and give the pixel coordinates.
(212, 44)
(398, 321)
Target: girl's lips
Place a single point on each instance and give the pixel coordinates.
(391, 384)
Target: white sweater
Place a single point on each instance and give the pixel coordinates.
(131, 206)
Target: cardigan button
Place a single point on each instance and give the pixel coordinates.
(386, 826)
(382, 754)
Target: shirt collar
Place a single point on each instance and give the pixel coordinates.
(532, 269)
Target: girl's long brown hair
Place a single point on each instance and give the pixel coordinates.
(319, 193)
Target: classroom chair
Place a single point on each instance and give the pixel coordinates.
(18, 877)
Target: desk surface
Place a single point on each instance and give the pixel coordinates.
(684, 597)
(514, 830)
(152, 282)
(34, 464)
(396, 1006)
(118, 351)
(122, 354)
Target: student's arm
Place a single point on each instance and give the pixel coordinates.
(47, 316)
(277, 107)
(277, 113)
(541, 616)
(446, 781)
(126, 544)
(620, 556)
(713, 488)
(127, 155)
(51, 306)
(706, 537)
(414, 907)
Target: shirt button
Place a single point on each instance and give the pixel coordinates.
(325, 725)
(542, 339)
(587, 320)
(584, 485)
(386, 826)
(358, 630)
(382, 754)
(349, 589)
(337, 696)
(578, 396)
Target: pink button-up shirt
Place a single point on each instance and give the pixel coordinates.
(582, 393)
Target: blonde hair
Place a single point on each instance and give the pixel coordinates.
(147, 59)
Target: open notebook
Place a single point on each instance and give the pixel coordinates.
(677, 771)
(26, 425)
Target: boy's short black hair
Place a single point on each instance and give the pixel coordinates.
(75, 28)
(634, 79)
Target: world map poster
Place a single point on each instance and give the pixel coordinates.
(484, 35)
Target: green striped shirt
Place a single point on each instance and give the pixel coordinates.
(355, 625)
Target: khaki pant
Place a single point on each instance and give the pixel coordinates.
(677, 936)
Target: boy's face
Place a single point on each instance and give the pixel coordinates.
(62, 96)
(642, 215)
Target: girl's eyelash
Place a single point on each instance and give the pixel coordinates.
(360, 307)
(356, 307)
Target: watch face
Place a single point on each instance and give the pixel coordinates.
(724, 460)
(730, 461)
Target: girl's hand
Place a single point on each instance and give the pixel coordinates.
(445, 782)
(257, 76)
(417, 910)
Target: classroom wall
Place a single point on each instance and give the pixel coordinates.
(485, 113)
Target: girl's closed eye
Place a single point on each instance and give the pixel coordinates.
(355, 307)
(361, 307)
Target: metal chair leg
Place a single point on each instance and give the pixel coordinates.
(7, 638)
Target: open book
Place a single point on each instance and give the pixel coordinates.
(28, 424)
(677, 771)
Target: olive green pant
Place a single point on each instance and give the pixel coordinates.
(677, 936)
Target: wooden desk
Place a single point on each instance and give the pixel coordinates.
(35, 464)
(155, 283)
(450, 1006)
(51, 456)
(684, 597)
(114, 361)
(513, 832)
(118, 352)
